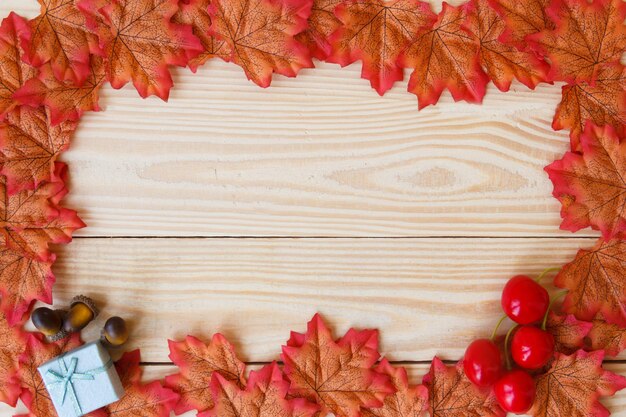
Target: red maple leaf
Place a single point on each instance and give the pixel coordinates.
(195, 13)
(406, 402)
(13, 71)
(572, 386)
(591, 184)
(568, 332)
(34, 394)
(595, 280)
(31, 219)
(501, 61)
(12, 344)
(150, 399)
(587, 35)
(197, 363)
(322, 23)
(260, 35)
(603, 103)
(377, 32)
(522, 18)
(22, 281)
(140, 43)
(265, 395)
(65, 101)
(446, 57)
(609, 337)
(29, 147)
(337, 375)
(59, 36)
(451, 394)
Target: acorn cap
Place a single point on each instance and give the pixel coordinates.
(86, 301)
(61, 334)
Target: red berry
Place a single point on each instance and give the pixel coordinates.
(532, 347)
(524, 300)
(515, 391)
(483, 362)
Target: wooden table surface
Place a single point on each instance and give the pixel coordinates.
(244, 211)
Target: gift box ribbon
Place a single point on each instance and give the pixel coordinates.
(68, 375)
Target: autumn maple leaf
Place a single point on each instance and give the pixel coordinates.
(260, 35)
(603, 103)
(406, 402)
(13, 71)
(522, 18)
(59, 35)
(22, 281)
(65, 101)
(195, 13)
(595, 280)
(377, 32)
(12, 344)
(446, 57)
(572, 386)
(32, 219)
(34, 394)
(591, 185)
(587, 35)
(139, 399)
(338, 375)
(197, 363)
(29, 147)
(502, 62)
(452, 394)
(568, 332)
(265, 395)
(322, 23)
(609, 337)
(140, 43)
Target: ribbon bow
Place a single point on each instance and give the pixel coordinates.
(68, 375)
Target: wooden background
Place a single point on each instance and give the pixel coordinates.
(244, 211)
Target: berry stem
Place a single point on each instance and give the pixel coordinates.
(495, 331)
(552, 301)
(506, 347)
(546, 272)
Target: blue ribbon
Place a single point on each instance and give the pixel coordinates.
(68, 375)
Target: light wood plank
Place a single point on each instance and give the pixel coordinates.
(427, 296)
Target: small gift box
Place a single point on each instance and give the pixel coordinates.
(82, 380)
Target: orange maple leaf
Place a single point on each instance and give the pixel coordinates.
(12, 344)
(66, 101)
(591, 185)
(406, 402)
(377, 32)
(29, 147)
(195, 13)
(587, 35)
(59, 35)
(572, 386)
(265, 395)
(197, 363)
(452, 394)
(603, 102)
(22, 281)
(13, 71)
(260, 35)
(140, 43)
(568, 332)
(522, 18)
(609, 337)
(501, 61)
(32, 219)
(446, 57)
(595, 280)
(337, 375)
(322, 23)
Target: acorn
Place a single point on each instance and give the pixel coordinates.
(82, 311)
(47, 321)
(115, 332)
